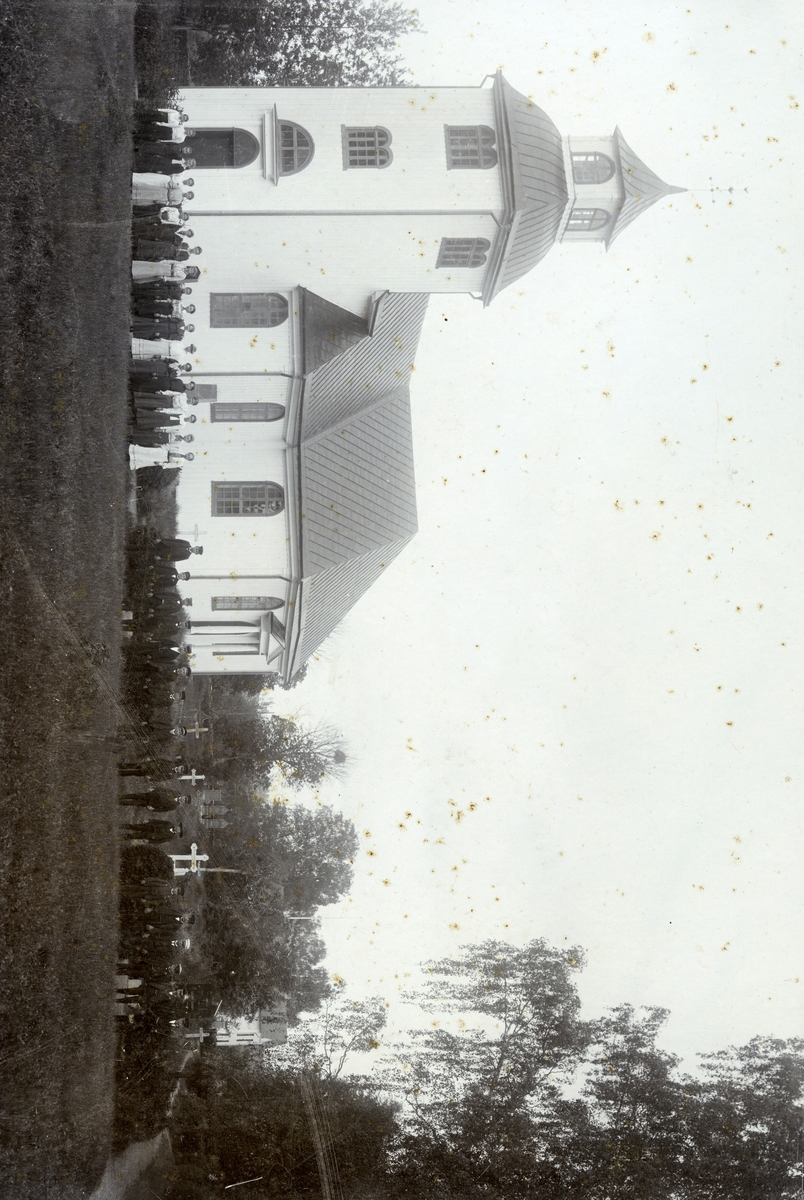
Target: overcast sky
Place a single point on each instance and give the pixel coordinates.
(592, 651)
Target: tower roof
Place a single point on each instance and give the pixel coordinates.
(531, 159)
(641, 185)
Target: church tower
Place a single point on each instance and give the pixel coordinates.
(353, 191)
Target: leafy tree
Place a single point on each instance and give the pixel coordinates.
(343, 1027)
(249, 746)
(302, 43)
(746, 1123)
(476, 1099)
(635, 1138)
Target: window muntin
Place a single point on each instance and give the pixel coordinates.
(247, 310)
(295, 149)
(249, 499)
(591, 168)
(227, 148)
(470, 147)
(462, 252)
(245, 603)
(365, 146)
(231, 413)
(584, 219)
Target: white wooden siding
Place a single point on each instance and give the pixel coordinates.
(344, 259)
(416, 180)
(236, 453)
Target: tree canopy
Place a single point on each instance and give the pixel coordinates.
(301, 43)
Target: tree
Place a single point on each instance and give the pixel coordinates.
(343, 1027)
(476, 1100)
(250, 747)
(746, 1123)
(635, 1139)
(291, 860)
(301, 43)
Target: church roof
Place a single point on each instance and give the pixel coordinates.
(355, 467)
(642, 188)
(358, 503)
(531, 157)
(375, 365)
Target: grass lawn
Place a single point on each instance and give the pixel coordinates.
(65, 159)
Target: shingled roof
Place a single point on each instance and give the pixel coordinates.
(641, 185)
(534, 187)
(355, 468)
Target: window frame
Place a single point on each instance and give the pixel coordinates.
(591, 225)
(368, 132)
(280, 124)
(599, 157)
(247, 603)
(476, 250)
(277, 500)
(486, 139)
(267, 411)
(215, 317)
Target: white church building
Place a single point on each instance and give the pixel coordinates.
(326, 218)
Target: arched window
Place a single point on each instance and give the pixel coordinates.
(247, 499)
(470, 147)
(224, 148)
(366, 146)
(583, 219)
(247, 310)
(462, 252)
(592, 168)
(295, 148)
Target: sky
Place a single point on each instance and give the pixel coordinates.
(572, 707)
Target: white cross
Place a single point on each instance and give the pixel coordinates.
(200, 1035)
(192, 859)
(197, 730)
(193, 777)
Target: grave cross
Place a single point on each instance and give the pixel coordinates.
(202, 1033)
(196, 729)
(193, 859)
(193, 777)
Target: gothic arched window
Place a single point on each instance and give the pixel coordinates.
(295, 148)
(366, 146)
(583, 219)
(470, 147)
(247, 310)
(224, 148)
(247, 499)
(592, 168)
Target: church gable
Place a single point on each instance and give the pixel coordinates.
(374, 366)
